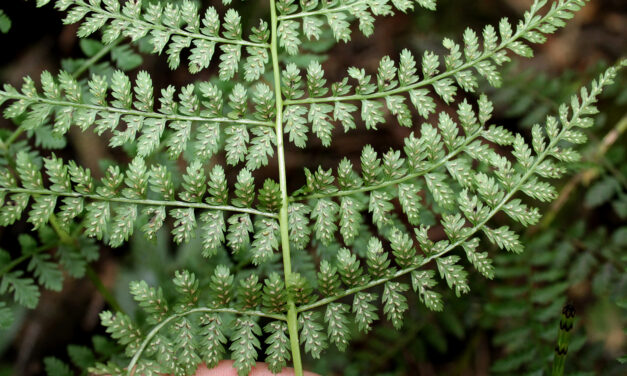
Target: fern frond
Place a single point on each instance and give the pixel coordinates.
(196, 331)
(490, 195)
(55, 367)
(312, 16)
(176, 27)
(416, 214)
(131, 118)
(44, 262)
(462, 68)
(112, 208)
(441, 163)
(423, 157)
(24, 290)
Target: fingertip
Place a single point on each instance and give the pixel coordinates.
(224, 368)
(261, 369)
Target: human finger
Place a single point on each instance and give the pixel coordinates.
(226, 368)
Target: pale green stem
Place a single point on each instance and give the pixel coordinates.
(61, 233)
(16, 133)
(64, 238)
(91, 274)
(103, 290)
(92, 60)
(292, 314)
(530, 172)
(131, 366)
(123, 200)
(23, 258)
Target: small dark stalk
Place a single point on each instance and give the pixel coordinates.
(563, 338)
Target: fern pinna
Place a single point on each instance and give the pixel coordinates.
(368, 224)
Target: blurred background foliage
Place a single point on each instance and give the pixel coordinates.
(505, 326)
